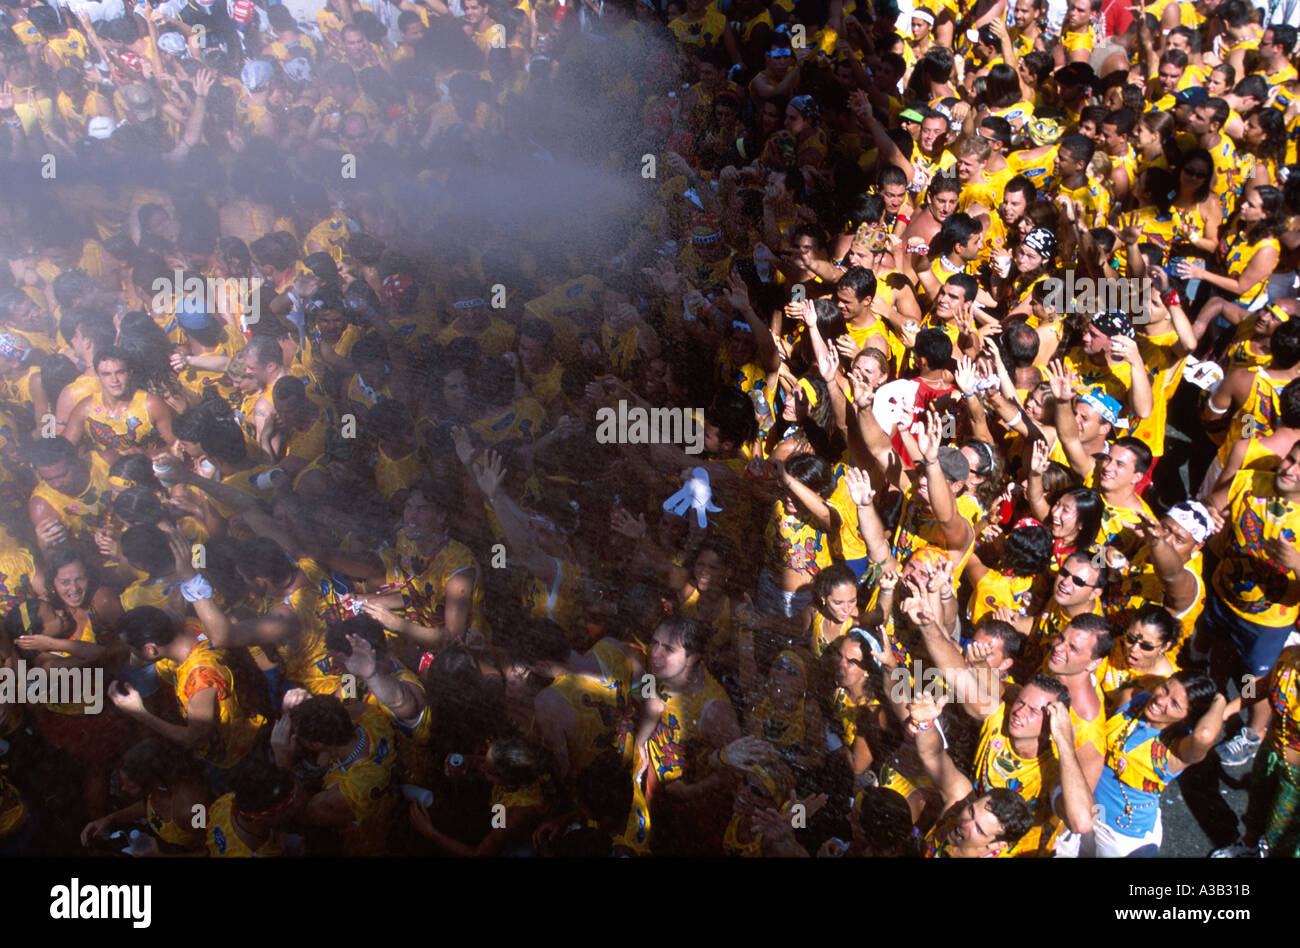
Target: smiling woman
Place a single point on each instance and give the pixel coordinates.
(1149, 742)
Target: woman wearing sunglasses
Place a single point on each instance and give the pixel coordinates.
(856, 718)
(1142, 658)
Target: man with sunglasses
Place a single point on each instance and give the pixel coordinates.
(1076, 592)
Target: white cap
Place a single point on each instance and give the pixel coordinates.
(100, 127)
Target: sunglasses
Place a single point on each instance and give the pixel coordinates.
(1076, 580)
(1136, 640)
(1195, 174)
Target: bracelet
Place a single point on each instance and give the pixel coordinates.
(196, 588)
(914, 728)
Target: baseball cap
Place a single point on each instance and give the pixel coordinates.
(953, 463)
(911, 115)
(1193, 96)
(192, 314)
(100, 127)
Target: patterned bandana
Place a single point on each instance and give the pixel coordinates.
(1115, 323)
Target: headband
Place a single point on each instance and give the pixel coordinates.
(1193, 517)
(808, 390)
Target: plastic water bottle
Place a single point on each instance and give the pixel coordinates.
(139, 842)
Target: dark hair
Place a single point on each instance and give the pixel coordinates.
(223, 439)
(1010, 810)
(837, 574)
(362, 626)
(1273, 125)
(885, 822)
(1022, 185)
(57, 559)
(943, 183)
(1124, 121)
(1289, 404)
(138, 469)
(1026, 551)
(46, 452)
(154, 763)
(1273, 223)
(1089, 511)
(1002, 89)
(957, 229)
(260, 787)
(830, 322)
(1284, 345)
(1201, 693)
(322, 719)
(732, 413)
(147, 548)
(934, 346)
(1098, 626)
(1012, 640)
(263, 558)
(860, 280)
(147, 625)
(1142, 454)
(1160, 619)
(1081, 147)
(692, 635)
(1000, 128)
(1053, 686)
(1202, 156)
(812, 472)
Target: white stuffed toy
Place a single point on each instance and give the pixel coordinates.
(695, 493)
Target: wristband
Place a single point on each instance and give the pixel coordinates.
(913, 728)
(1172, 298)
(196, 588)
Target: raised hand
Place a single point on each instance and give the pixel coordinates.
(925, 708)
(965, 377)
(929, 440)
(859, 487)
(978, 654)
(634, 528)
(362, 660)
(1058, 376)
(489, 473)
(1039, 457)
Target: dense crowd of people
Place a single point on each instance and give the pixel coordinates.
(985, 314)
